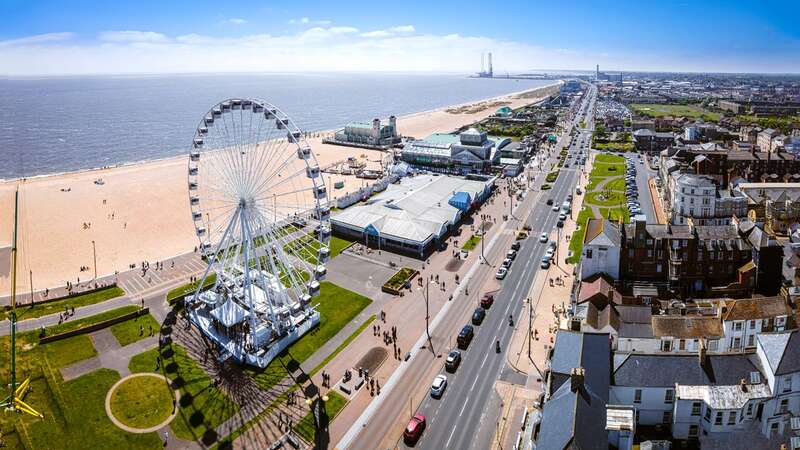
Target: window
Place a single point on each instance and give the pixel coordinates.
(696, 408)
(682, 344)
(737, 342)
(708, 415)
(712, 344)
(630, 253)
(589, 253)
(749, 409)
(666, 345)
(658, 268)
(718, 418)
(752, 324)
(693, 431)
(637, 396)
(667, 417)
(649, 253)
(669, 394)
(732, 418)
(787, 383)
(737, 326)
(784, 406)
(751, 340)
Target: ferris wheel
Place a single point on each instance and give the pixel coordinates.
(260, 210)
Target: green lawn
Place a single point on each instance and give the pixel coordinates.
(142, 402)
(337, 307)
(616, 213)
(471, 243)
(307, 247)
(202, 405)
(306, 426)
(576, 241)
(692, 111)
(75, 416)
(24, 311)
(74, 411)
(602, 170)
(128, 332)
(605, 198)
(609, 159)
(181, 291)
(616, 185)
(344, 344)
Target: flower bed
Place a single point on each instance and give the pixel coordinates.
(394, 284)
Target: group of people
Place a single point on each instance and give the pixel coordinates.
(69, 311)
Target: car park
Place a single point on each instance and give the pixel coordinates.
(438, 386)
(453, 361)
(465, 336)
(414, 429)
(487, 300)
(478, 315)
(501, 273)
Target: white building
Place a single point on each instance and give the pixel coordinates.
(601, 249)
(697, 197)
(370, 134)
(779, 354)
(743, 320)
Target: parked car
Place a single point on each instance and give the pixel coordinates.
(511, 254)
(487, 300)
(560, 224)
(501, 273)
(549, 201)
(414, 429)
(555, 208)
(545, 263)
(478, 315)
(543, 238)
(438, 386)
(507, 263)
(515, 246)
(453, 361)
(465, 337)
(550, 252)
(562, 216)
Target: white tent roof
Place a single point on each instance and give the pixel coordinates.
(230, 313)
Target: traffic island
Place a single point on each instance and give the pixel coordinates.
(142, 403)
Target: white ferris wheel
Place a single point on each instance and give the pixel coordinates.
(260, 209)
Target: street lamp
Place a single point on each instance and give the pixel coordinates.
(94, 252)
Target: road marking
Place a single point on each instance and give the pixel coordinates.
(482, 364)
(465, 403)
(450, 438)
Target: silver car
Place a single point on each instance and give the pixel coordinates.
(438, 386)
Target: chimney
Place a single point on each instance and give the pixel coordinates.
(576, 378)
(743, 385)
(701, 354)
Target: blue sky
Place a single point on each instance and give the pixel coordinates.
(39, 37)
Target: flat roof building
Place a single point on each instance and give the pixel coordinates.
(471, 151)
(412, 216)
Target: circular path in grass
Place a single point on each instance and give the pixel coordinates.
(141, 403)
(605, 198)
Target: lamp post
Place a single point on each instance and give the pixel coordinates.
(94, 253)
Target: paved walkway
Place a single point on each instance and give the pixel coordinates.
(52, 319)
(110, 356)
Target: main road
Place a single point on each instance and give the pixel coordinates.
(453, 419)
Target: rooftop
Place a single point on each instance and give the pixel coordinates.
(665, 370)
(692, 327)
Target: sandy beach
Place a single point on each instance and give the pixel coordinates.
(141, 212)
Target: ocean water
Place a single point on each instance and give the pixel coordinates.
(53, 125)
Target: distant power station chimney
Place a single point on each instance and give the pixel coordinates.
(483, 66)
(490, 65)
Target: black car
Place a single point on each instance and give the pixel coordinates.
(465, 337)
(453, 361)
(515, 246)
(478, 316)
(560, 224)
(549, 202)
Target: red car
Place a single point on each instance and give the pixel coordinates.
(414, 428)
(487, 300)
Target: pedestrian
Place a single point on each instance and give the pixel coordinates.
(158, 362)
(142, 302)
(141, 330)
(166, 438)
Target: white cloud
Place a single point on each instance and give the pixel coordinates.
(307, 21)
(318, 48)
(130, 36)
(38, 39)
(235, 21)
(405, 29)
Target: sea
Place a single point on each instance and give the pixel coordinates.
(65, 124)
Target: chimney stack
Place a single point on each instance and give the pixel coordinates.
(576, 378)
(701, 354)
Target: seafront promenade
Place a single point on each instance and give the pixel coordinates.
(141, 212)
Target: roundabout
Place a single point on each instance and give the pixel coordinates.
(142, 403)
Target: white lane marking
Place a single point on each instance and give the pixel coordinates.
(464, 406)
(450, 438)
